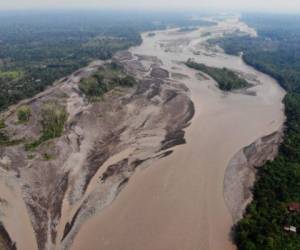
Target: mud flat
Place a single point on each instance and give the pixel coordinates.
(177, 202)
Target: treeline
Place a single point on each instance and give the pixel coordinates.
(276, 52)
(226, 79)
(37, 48)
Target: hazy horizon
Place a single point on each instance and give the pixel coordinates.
(275, 6)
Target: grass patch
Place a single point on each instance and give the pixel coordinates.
(12, 75)
(227, 79)
(53, 118)
(91, 87)
(2, 124)
(105, 80)
(23, 113)
(5, 140)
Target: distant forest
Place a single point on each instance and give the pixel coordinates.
(37, 48)
(276, 51)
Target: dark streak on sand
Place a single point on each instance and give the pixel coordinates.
(102, 151)
(69, 225)
(6, 240)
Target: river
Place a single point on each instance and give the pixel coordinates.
(177, 203)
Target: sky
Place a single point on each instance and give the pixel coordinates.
(226, 5)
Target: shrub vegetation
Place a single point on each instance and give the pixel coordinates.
(227, 79)
(105, 80)
(53, 117)
(23, 113)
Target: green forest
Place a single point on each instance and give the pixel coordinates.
(276, 51)
(226, 79)
(36, 51)
(39, 47)
(104, 80)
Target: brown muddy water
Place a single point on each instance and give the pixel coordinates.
(177, 202)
